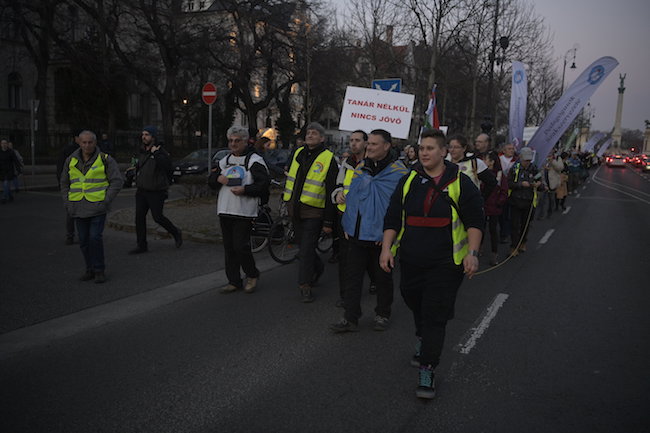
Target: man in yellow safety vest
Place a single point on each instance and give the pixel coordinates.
(310, 182)
(90, 180)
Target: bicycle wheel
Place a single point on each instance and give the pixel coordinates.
(282, 246)
(325, 242)
(260, 231)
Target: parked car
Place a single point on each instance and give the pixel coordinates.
(196, 162)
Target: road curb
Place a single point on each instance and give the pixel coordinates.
(44, 333)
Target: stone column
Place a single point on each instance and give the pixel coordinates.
(616, 135)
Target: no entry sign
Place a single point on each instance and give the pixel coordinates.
(209, 93)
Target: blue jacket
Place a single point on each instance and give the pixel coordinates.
(368, 199)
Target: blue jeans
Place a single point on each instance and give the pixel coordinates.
(6, 189)
(90, 232)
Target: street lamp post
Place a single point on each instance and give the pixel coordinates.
(571, 51)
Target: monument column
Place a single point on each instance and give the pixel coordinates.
(646, 139)
(616, 135)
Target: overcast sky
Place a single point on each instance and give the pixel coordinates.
(617, 28)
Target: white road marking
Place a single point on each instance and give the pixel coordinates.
(584, 187)
(566, 211)
(578, 195)
(546, 236)
(477, 331)
(601, 183)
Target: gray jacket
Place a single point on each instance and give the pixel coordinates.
(85, 208)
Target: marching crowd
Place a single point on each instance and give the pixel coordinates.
(428, 210)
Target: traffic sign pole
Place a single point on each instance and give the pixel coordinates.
(209, 139)
(209, 96)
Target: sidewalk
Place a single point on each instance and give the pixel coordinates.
(198, 220)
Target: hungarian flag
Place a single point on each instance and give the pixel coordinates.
(432, 121)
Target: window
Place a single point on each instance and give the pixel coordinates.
(15, 88)
(201, 5)
(190, 5)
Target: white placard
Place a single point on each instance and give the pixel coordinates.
(368, 109)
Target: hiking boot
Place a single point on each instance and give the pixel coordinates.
(100, 277)
(178, 239)
(229, 289)
(372, 289)
(87, 276)
(426, 384)
(306, 295)
(381, 323)
(251, 284)
(138, 250)
(415, 360)
(343, 326)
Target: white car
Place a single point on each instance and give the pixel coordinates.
(615, 161)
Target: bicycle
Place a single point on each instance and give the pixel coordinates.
(282, 238)
(261, 229)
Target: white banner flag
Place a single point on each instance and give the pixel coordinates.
(369, 109)
(604, 147)
(518, 97)
(592, 142)
(569, 105)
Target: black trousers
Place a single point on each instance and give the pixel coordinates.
(236, 233)
(430, 293)
(360, 258)
(309, 263)
(69, 226)
(154, 201)
(492, 222)
(519, 217)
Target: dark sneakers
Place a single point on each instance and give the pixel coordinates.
(100, 277)
(426, 383)
(306, 295)
(381, 323)
(343, 326)
(87, 276)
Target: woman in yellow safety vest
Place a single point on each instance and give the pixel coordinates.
(436, 218)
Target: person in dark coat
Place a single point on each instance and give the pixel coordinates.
(8, 167)
(152, 180)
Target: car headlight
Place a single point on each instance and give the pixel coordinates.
(193, 167)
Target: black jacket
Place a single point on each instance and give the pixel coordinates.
(153, 170)
(426, 246)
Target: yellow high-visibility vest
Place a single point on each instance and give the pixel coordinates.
(458, 233)
(93, 185)
(313, 190)
(517, 166)
(349, 174)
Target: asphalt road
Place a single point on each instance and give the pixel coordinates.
(566, 351)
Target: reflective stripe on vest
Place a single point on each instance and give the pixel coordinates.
(313, 189)
(346, 187)
(92, 186)
(458, 232)
(516, 179)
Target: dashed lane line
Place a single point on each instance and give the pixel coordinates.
(566, 211)
(546, 236)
